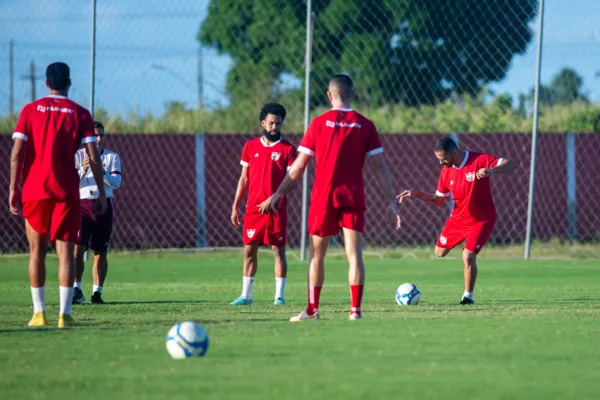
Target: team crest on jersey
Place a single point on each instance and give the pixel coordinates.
(443, 240)
(470, 176)
(275, 156)
(250, 233)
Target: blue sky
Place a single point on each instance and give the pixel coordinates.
(147, 51)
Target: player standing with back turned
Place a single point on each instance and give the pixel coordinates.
(466, 175)
(47, 136)
(265, 161)
(340, 140)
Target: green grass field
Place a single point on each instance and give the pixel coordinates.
(534, 333)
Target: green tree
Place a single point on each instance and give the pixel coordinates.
(566, 88)
(411, 52)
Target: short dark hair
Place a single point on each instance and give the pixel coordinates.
(58, 76)
(273, 109)
(344, 85)
(98, 125)
(445, 144)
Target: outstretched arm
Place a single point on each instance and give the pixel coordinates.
(430, 198)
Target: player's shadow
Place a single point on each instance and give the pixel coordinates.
(553, 301)
(109, 303)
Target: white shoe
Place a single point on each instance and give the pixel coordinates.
(354, 316)
(304, 316)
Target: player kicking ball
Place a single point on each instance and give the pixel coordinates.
(466, 175)
(265, 162)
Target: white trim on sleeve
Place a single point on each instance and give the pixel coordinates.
(440, 194)
(306, 150)
(288, 168)
(499, 162)
(244, 163)
(375, 151)
(89, 139)
(19, 135)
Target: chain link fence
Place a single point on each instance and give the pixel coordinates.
(421, 68)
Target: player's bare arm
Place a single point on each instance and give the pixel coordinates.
(242, 188)
(98, 171)
(16, 164)
(429, 198)
(506, 166)
(295, 173)
(382, 173)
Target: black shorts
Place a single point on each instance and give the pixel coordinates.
(95, 228)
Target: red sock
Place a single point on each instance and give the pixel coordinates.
(314, 292)
(357, 292)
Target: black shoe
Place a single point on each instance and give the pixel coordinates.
(97, 298)
(464, 302)
(78, 297)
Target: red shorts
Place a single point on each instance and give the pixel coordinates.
(455, 232)
(328, 222)
(267, 228)
(58, 219)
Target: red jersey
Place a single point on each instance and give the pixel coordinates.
(267, 167)
(53, 127)
(472, 196)
(340, 140)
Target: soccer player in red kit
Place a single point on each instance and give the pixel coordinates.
(340, 140)
(265, 161)
(46, 138)
(465, 175)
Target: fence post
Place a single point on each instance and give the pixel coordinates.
(534, 131)
(201, 238)
(571, 187)
(307, 67)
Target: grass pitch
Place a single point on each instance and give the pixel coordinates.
(534, 333)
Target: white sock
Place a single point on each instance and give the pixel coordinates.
(247, 284)
(66, 299)
(77, 285)
(468, 295)
(279, 287)
(96, 288)
(39, 299)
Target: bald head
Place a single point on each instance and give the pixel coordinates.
(341, 87)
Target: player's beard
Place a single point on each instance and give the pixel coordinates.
(272, 137)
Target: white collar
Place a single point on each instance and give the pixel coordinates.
(462, 164)
(56, 96)
(342, 109)
(262, 140)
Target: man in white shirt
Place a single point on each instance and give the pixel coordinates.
(96, 229)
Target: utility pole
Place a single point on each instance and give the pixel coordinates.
(11, 98)
(200, 80)
(32, 77)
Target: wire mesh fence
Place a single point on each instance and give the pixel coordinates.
(421, 68)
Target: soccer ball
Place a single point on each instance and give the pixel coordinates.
(408, 294)
(187, 339)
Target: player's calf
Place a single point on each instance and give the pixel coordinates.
(441, 251)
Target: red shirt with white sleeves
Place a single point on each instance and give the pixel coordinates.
(472, 196)
(54, 127)
(267, 167)
(340, 140)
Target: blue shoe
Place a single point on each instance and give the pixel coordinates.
(279, 301)
(240, 301)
